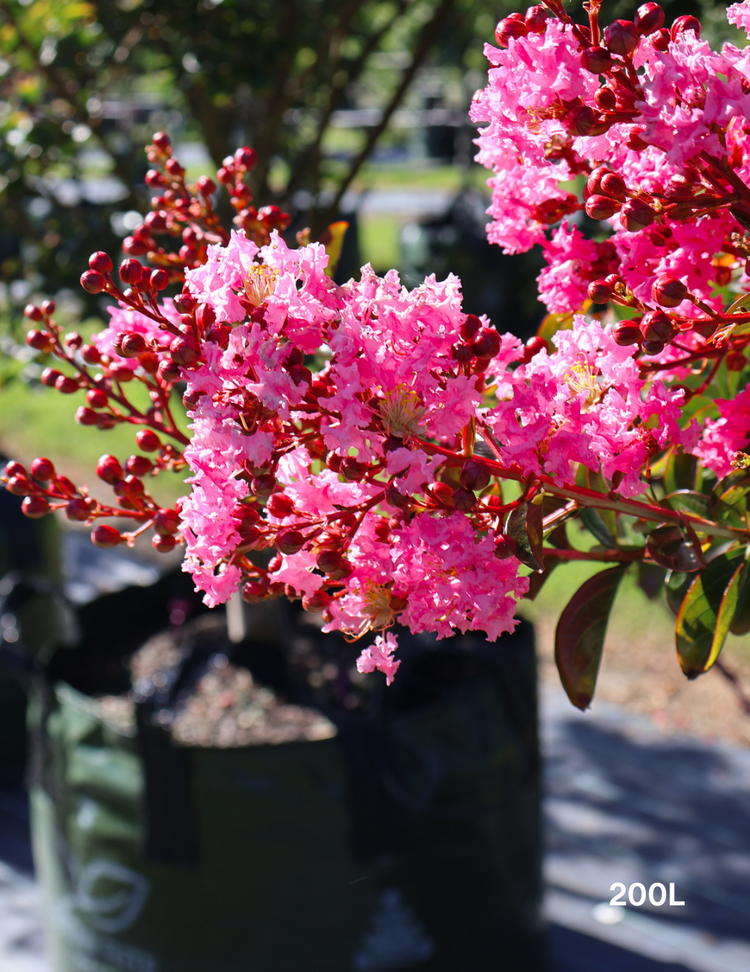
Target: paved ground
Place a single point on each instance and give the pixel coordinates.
(623, 803)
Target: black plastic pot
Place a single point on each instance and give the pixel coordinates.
(410, 840)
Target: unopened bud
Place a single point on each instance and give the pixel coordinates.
(668, 290)
(597, 60)
(621, 37)
(77, 509)
(470, 327)
(131, 272)
(636, 215)
(316, 603)
(35, 507)
(581, 120)
(474, 475)
(684, 24)
(648, 18)
(42, 469)
(599, 291)
(660, 39)
(600, 207)
(612, 185)
(280, 505)
(626, 333)
(105, 535)
(486, 344)
(93, 282)
(109, 469)
(512, 26)
(463, 500)
(656, 326)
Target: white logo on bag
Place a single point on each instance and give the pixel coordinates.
(395, 939)
(115, 911)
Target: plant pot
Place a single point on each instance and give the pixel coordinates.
(409, 840)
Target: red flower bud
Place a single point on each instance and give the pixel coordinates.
(290, 542)
(464, 500)
(90, 354)
(48, 307)
(168, 372)
(164, 543)
(534, 345)
(66, 385)
(599, 291)
(656, 326)
(139, 465)
(205, 316)
(470, 327)
(205, 186)
(683, 24)
(280, 505)
(353, 470)
(299, 373)
(605, 99)
(42, 469)
(156, 222)
(109, 469)
(32, 312)
(19, 486)
(100, 262)
(653, 347)
(39, 340)
(600, 207)
(263, 486)
(486, 344)
(130, 345)
(166, 522)
(183, 351)
(636, 215)
(105, 535)
(49, 376)
(442, 493)
(626, 333)
(93, 282)
(660, 39)
(161, 141)
(96, 398)
(668, 290)
(621, 37)
(536, 20)
(317, 602)
(512, 26)
(74, 340)
(147, 440)
(86, 416)
(174, 168)
(474, 475)
(612, 185)
(159, 280)
(245, 158)
(648, 18)
(329, 560)
(462, 353)
(78, 509)
(581, 120)
(134, 247)
(35, 507)
(397, 499)
(14, 468)
(597, 60)
(131, 272)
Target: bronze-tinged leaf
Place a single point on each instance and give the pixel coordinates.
(579, 638)
(676, 587)
(596, 526)
(650, 579)
(741, 622)
(729, 498)
(707, 612)
(669, 548)
(690, 501)
(527, 547)
(680, 472)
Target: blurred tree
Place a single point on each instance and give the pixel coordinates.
(84, 84)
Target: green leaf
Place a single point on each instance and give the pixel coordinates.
(526, 536)
(740, 624)
(690, 501)
(680, 472)
(553, 323)
(602, 520)
(579, 638)
(669, 548)
(728, 497)
(700, 408)
(677, 586)
(707, 612)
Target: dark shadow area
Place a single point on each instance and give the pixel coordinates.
(571, 951)
(661, 810)
(15, 832)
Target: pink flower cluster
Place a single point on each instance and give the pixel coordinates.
(657, 112)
